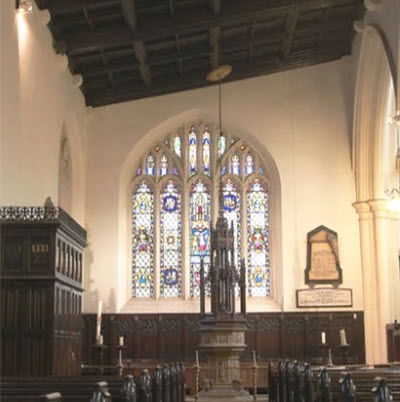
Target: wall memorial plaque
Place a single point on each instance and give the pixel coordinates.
(324, 297)
(323, 257)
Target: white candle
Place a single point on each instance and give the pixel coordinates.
(254, 357)
(343, 337)
(323, 338)
(98, 320)
(100, 339)
(121, 341)
(197, 356)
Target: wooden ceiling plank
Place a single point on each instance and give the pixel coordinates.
(189, 22)
(215, 47)
(291, 22)
(129, 13)
(215, 6)
(171, 6)
(141, 56)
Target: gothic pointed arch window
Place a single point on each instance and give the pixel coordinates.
(175, 200)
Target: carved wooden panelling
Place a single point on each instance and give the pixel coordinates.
(13, 253)
(174, 337)
(41, 323)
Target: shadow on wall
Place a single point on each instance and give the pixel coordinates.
(91, 295)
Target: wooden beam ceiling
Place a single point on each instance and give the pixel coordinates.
(132, 49)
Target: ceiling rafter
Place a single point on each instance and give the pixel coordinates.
(290, 27)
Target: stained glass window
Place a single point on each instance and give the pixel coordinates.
(258, 234)
(178, 145)
(249, 164)
(206, 152)
(160, 221)
(163, 165)
(142, 241)
(171, 243)
(200, 217)
(235, 164)
(150, 168)
(232, 213)
(221, 145)
(192, 151)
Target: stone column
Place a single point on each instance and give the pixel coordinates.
(369, 281)
(375, 219)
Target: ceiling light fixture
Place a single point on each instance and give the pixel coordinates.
(25, 6)
(217, 74)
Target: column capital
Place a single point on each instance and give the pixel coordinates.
(362, 207)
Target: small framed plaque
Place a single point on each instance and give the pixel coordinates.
(324, 297)
(323, 265)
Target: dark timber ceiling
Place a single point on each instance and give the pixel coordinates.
(132, 49)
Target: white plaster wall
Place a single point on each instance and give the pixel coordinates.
(37, 98)
(301, 117)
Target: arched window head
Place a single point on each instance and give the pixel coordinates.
(175, 200)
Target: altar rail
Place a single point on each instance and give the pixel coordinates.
(174, 337)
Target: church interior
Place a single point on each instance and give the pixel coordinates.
(200, 200)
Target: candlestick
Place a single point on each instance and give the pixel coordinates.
(343, 337)
(98, 320)
(323, 337)
(121, 341)
(255, 375)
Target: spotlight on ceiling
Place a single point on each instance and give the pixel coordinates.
(25, 6)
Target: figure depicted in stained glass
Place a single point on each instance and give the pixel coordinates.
(163, 165)
(221, 145)
(231, 198)
(170, 241)
(178, 145)
(142, 240)
(192, 151)
(249, 164)
(235, 164)
(200, 232)
(150, 166)
(206, 152)
(257, 227)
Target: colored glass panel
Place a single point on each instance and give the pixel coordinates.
(150, 166)
(171, 241)
(221, 145)
(206, 153)
(258, 240)
(192, 152)
(232, 213)
(235, 164)
(163, 165)
(178, 145)
(142, 241)
(249, 164)
(200, 218)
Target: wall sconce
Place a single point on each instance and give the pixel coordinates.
(25, 6)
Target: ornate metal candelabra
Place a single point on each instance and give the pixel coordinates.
(197, 368)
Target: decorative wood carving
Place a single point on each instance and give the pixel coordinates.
(41, 291)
